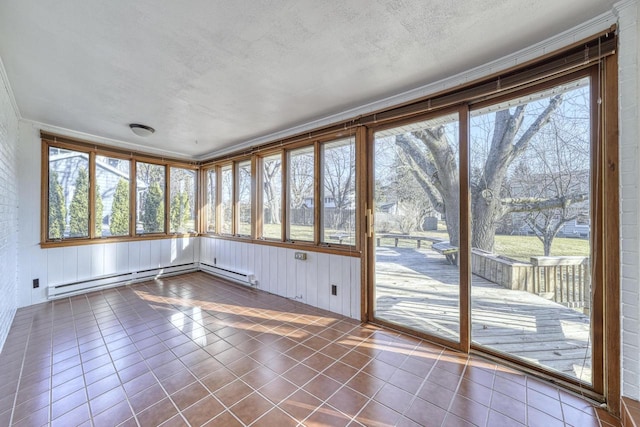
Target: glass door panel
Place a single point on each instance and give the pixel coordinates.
(416, 227)
(530, 184)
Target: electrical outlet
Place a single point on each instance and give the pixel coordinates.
(300, 255)
(36, 283)
(334, 289)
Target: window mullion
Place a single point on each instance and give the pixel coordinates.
(317, 204)
(92, 195)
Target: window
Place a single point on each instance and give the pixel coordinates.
(226, 200)
(68, 201)
(88, 193)
(338, 192)
(272, 197)
(150, 190)
(112, 196)
(211, 201)
(244, 198)
(301, 194)
(182, 193)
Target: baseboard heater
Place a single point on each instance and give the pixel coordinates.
(95, 284)
(235, 276)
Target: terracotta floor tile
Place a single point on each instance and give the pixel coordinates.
(218, 379)
(147, 398)
(189, 395)
(406, 381)
(251, 408)
(74, 417)
(107, 400)
(454, 421)
(177, 381)
(469, 410)
(277, 389)
(157, 414)
(68, 403)
(243, 366)
(300, 405)
(234, 341)
(176, 421)
(37, 418)
(275, 417)
(425, 413)
(299, 374)
(365, 384)
(376, 414)
(202, 411)
(509, 406)
(233, 392)
(259, 377)
(340, 372)
(537, 418)
(322, 387)
(225, 419)
(348, 401)
(115, 415)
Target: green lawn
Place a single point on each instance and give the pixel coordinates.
(517, 247)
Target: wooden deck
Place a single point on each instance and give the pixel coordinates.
(419, 289)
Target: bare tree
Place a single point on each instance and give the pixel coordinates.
(557, 168)
(301, 178)
(432, 159)
(339, 179)
(272, 189)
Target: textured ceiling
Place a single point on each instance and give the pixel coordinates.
(224, 72)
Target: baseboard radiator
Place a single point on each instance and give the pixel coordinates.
(103, 282)
(229, 274)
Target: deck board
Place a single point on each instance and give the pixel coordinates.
(419, 289)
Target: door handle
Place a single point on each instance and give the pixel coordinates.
(369, 223)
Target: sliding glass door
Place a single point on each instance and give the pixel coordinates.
(530, 190)
(416, 200)
(485, 228)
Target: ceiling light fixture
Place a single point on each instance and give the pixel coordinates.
(141, 130)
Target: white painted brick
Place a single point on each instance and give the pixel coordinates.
(9, 138)
(627, 13)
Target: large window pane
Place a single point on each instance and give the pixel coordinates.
(416, 202)
(182, 198)
(301, 194)
(112, 196)
(272, 197)
(68, 194)
(150, 185)
(211, 200)
(530, 191)
(226, 202)
(244, 198)
(338, 197)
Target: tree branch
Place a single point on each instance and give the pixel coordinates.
(531, 204)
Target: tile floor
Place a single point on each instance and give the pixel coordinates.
(191, 350)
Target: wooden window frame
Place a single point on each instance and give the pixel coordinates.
(604, 188)
(93, 150)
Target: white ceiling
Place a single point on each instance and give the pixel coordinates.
(225, 72)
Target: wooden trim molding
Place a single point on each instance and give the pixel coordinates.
(630, 412)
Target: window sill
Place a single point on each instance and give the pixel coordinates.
(299, 245)
(100, 240)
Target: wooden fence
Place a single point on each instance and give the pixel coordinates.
(565, 280)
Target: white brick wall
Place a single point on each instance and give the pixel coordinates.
(8, 209)
(627, 12)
